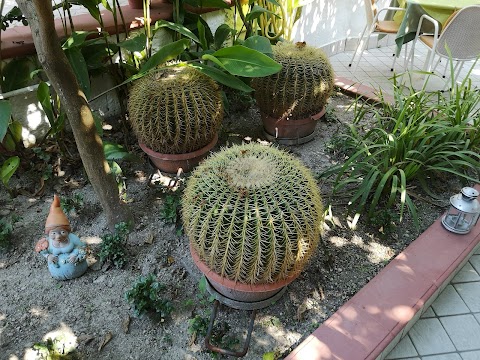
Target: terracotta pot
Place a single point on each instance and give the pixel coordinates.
(239, 292)
(170, 163)
(290, 131)
(135, 4)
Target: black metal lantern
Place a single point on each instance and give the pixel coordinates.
(463, 213)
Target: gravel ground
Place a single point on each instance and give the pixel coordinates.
(91, 314)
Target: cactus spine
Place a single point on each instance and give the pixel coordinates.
(301, 88)
(253, 214)
(176, 110)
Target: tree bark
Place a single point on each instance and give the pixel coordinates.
(53, 60)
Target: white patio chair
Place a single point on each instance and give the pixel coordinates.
(460, 36)
(375, 26)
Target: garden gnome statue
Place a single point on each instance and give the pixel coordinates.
(65, 252)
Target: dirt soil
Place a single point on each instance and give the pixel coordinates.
(91, 313)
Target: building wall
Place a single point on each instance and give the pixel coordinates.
(332, 24)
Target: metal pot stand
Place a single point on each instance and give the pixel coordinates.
(238, 305)
(293, 141)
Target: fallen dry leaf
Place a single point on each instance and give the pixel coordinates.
(304, 306)
(301, 310)
(149, 239)
(192, 339)
(85, 338)
(106, 338)
(126, 324)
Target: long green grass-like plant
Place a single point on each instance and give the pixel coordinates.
(389, 145)
(462, 107)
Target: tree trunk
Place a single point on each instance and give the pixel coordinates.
(50, 54)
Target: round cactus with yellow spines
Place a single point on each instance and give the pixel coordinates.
(301, 88)
(253, 214)
(176, 110)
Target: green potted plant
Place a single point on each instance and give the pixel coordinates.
(253, 215)
(293, 100)
(176, 114)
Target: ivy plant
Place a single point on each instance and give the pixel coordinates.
(114, 246)
(146, 296)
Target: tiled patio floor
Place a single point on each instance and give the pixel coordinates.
(374, 69)
(450, 328)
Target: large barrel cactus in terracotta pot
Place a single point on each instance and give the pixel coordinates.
(296, 94)
(253, 215)
(177, 110)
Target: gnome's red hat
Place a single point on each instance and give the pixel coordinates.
(56, 218)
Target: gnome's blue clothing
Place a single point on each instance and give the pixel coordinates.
(63, 269)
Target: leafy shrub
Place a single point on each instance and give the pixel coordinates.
(219, 336)
(73, 203)
(113, 246)
(171, 207)
(146, 298)
(416, 138)
(6, 229)
(198, 325)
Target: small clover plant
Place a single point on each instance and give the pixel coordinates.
(6, 229)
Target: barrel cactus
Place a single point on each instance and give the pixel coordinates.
(253, 214)
(176, 110)
(301, 88)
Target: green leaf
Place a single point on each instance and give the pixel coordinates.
(106, 5)
(208, 32)
(8, 169)
(96, 54)
(35, 73)
(5, 115)
(178, 28)
(269, 356)
(76, 39)
(242, 61)
(413, 211)
(202, 285)
(92, 6)
(16, 74)
(201, 34)
(214, 60)
(259, 43)
(43, 96)
(221, 35)
(208, 3)
(9, 143)
(257, 11)
(98, 123)
(79, 66)
(222, 78)
(381, 188)
(136, 43)
(276, 2)
(59, 123)
(165, 53)
(115, 151)
(15, 128)
(115, 169)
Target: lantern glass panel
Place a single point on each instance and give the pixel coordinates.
(458, 221)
